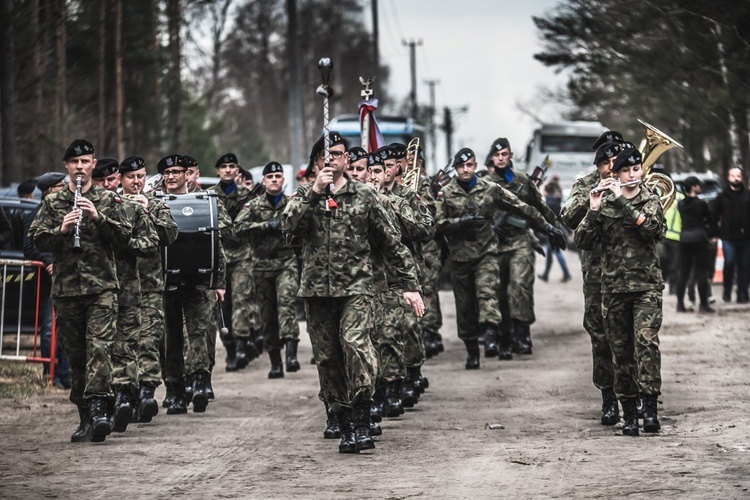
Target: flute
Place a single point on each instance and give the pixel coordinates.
(622, 184)
(77, 234)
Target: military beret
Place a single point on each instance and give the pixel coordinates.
(608, 136)
(190, 161)
(131, 164)
(170, 161)
(246, 174)
(227, 158)
(46, 181)
(606, 151)
(463, 156)
(335, 138)
(627, 145)
(627, 158)
(399, 150)
(499, 144)
(79, 147)
(272, 167)
(301, 174)
(356, 153)
(105, 167)
(386, 153)
(375, 159)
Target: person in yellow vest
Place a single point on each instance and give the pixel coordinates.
(669, 247)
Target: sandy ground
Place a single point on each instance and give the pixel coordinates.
(263, 438)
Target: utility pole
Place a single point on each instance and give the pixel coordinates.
(375, 38)
(433, 138)
(449, 127)
(413, 61)
(295, 93)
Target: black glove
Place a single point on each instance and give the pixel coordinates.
(498, 227)
(556, 236)
(274, 225)
(472, 222)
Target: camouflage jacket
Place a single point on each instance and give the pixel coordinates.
(487, 199)
(144, 242)
(515, 227)
(411, 227)
(337, 244)
(573, 213)
(628, 231)
(270, 250)
(150, 268)
(94, 270)
(232, 203)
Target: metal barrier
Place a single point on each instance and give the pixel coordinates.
(19, 312)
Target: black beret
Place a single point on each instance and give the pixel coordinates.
(606, 151)
(105, 167)
(691, 181)
(463, 156)
(272, 167)
(227, 158)
(356, 153)
(170, 161)
(190, 161)
(335, 138)
(374, 159)
(608, 136)
(246, 174)
(386, 153)
(627, 145)
(79, 147)
(46, 181)
(399, 150)
(131, 164)
(499, 144)
(627, 158)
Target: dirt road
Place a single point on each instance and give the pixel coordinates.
(263, 438)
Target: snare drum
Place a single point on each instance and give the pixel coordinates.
(193, 259)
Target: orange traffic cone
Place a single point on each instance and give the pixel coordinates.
(719, 267)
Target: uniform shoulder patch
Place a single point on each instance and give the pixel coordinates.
(117, 198)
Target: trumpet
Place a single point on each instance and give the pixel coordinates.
(621, 184)
(77, 234)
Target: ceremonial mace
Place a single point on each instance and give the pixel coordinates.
(325, 66)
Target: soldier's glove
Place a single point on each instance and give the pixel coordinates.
(274, 225)
(499, 228)
(556, 236)
(472, 222)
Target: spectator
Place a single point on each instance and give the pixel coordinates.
(669, 247)
(26, 189)
(553, 197)
(732, 212)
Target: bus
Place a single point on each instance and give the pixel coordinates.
(568, 145)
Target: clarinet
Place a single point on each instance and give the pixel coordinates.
(77, 234)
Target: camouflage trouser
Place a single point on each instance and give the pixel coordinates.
(232, 299)
(593, 322)
(275, 296)
(340, 329)
(152, 338)
(433, 319)
(126, 347)
(475, 286)
(516, 291)
(197, 306)
(243, 308)
(632, 321)
(86, 329)
(414, 353)
(388, 338)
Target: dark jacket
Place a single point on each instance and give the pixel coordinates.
(732, 212)
(698, 223)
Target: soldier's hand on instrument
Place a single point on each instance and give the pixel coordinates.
(219, 294)
(88, 208)
(323, 179)
(49, 269)
(414, 300)
(69, 221)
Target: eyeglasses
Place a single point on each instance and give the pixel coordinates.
(336, 155)
(173, 173)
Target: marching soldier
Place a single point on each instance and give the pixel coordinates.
(516, 257)
(591, 266)
(81, 227)
(274, 270)
(151, 342)
(628, 223)
(469, 204)
(193, 174)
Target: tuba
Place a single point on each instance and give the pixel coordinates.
(411, 171)
(654, 144)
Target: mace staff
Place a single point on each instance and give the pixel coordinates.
(325, 66)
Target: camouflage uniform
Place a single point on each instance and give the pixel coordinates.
(591, 265)
(632, 286)
(84, 286)
(432, 321)
(475, 274)
(143, 243)
(151, 349)
(337, 284)
(273, 269)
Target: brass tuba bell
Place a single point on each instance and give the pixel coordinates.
(654, 144)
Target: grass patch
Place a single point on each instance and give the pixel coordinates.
(21, 380)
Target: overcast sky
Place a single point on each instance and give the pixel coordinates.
(482, 53)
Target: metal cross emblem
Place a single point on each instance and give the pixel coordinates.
(367, 92)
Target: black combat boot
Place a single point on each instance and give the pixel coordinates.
(189, 380)
(491, 349)
(377, 403)
(292, 363)
(200, 398)
(231, 357)
(523, 338)
(348, 442)
(123, 411)
(472, 349)
(505, 341)
(362, 426)
(430, 343)
(650, 417)
(169, 398)
(610, 410)
(392, 407)
(408, 395)
(629, 418)
(332, 431)
(242, 358)
(101, 425)
(277, 367)
(179, 403)
(210, 387)
(419, 382)
(639, 408)
(83, 433)
(375, 429)
(148, 408)
(258, 341)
